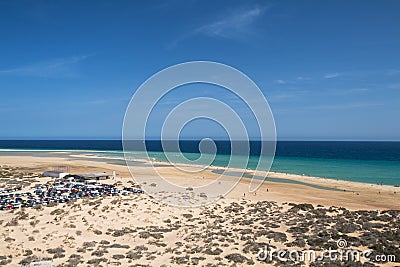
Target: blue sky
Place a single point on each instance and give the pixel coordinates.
(329, 69)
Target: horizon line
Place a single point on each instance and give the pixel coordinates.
(251, 140)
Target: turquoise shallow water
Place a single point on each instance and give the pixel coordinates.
(365, 171)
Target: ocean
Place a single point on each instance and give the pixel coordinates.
(367, 162)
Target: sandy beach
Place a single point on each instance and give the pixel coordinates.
(136, 230)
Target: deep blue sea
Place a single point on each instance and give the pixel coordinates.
(369, 162)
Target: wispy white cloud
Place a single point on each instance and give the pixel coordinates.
(345, 91)
(281, 97)
(331, 75)
(287, 95)
(280, 82)
(362, 73)
(236, 23)
(290, 81)
(394, 86)
(344, 74)
(298, 95)
(58, 67)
